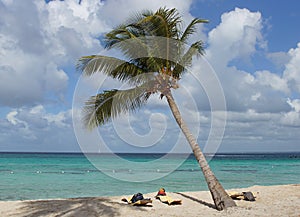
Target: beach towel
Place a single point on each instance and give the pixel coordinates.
(242, 196)
(236, 195)
(169, 200)
(162, 196)
(137, 200)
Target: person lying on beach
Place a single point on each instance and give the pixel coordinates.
(137, 200)
(162, 196)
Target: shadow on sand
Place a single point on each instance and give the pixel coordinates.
(197, 200)
(87, 206)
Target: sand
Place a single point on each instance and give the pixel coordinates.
(280, 200)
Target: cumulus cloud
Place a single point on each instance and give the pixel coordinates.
(278, 58)
(239, 36)
(39, 42)
(272, 80)
(295, 104)
(292, 118)
(35, 129)
(45, 38)
(135, 5)
(292, 69)
(259, 114)
(235, 37)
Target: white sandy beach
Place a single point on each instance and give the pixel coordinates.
(280, 200)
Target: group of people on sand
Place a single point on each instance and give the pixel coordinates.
(138, 198)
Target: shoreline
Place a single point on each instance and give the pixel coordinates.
(276, 200)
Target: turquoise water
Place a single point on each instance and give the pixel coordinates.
(41, 176)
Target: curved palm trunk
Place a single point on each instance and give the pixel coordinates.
(221, 199)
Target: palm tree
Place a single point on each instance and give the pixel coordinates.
(153, 44)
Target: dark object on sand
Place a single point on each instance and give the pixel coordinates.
(137, 200)
(248, 196)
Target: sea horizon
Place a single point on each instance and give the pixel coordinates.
(145, 153)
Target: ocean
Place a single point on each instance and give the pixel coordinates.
(43, 176)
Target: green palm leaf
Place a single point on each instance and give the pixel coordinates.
(103, 107)
(116, 68)
(195, 49)
(191, 29)
(97, 63)
(111, 66)
(163, 23)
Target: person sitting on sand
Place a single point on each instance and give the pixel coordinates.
(161, 192)
(162, 196)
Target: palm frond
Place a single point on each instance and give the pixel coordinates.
(126, 71)
(164, 22)
(137, 17)
(196, 49)
(130, 71)
(110, 104)
(134, 47)
(122, 33)
(97, 63)
(191, 29)
(111, 66)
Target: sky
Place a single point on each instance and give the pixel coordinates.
(251, 102)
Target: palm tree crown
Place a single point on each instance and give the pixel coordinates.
(151, 43)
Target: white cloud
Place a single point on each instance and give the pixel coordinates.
(250, 116)
(292, 69)
(239, 36)
(35, 129)
(261, 132)
(292, 118)
(256, 96)
(61, 120)
(73, 28)
(130, 7)
(295, 104)
(270, 79)
(37, 43)
(55, 79)
(278, 58)
(44, 38)
(235, 37)
(11, 117)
